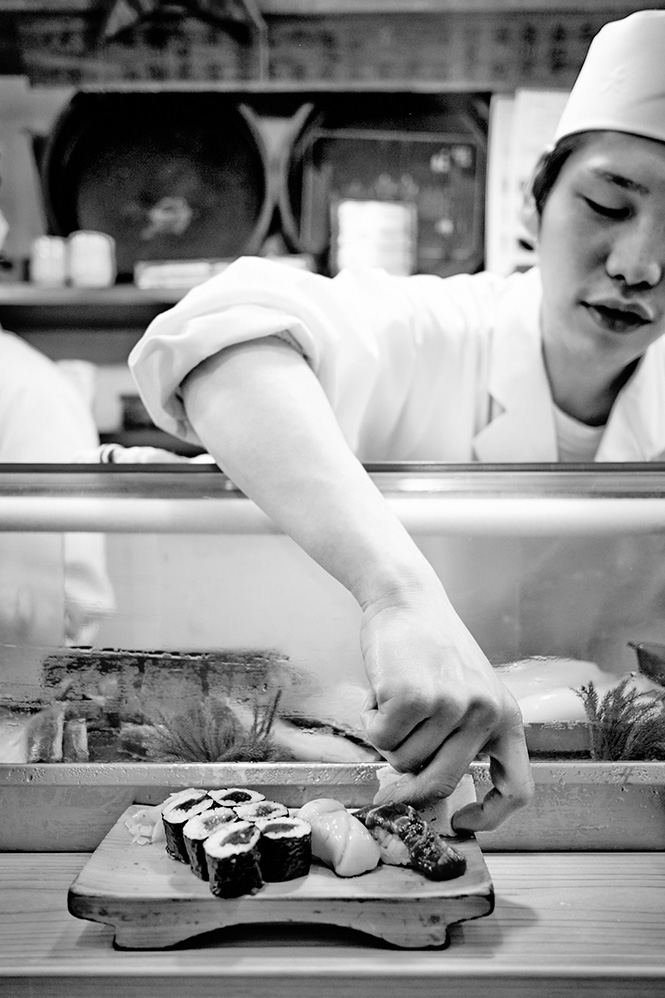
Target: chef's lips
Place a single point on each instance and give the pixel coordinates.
(619, 315)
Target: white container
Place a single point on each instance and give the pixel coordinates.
(48, 261)
(92, 262)
(375, 234)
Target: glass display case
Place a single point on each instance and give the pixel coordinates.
(157, 631)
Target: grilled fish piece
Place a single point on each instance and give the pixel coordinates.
(395, 826)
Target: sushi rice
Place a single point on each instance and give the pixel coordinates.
(235, 796)
(261, 809)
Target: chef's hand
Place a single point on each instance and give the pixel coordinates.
(436, 702)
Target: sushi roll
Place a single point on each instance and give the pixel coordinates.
(233, 796)
(181, 795)
(176, 814)
(285, 847)
(197, 830)
(261, 809)
(234, 861)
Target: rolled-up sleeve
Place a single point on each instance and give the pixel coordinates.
(386, 350)
(332, 322)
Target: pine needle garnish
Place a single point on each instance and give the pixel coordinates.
(210, 732)
(626, 724)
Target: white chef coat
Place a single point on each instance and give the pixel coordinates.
(43, 419)
(416, 368)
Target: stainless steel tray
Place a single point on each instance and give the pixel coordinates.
(578, 805)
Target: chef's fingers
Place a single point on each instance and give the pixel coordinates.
(388, 726)
(423, 752)
(444, 728)
(512, 789)
(509, 767)
(439, 776)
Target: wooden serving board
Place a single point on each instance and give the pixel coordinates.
(153, 901)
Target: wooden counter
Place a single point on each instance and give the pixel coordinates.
(564, 924)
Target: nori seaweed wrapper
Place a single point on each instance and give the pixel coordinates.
(234, 861)
(197, 830)
(286, 848)
(175, 817)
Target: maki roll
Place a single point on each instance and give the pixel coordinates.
(176, 814)
(197, 830)
(234, 861)
(285, 847)
(261, 809)
(233, 796)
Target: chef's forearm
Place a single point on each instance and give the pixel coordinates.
(260, 411)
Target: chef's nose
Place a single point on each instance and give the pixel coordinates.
(637, 255)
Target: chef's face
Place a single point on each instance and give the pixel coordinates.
(602, 248)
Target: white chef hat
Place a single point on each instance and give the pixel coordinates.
(621, 86)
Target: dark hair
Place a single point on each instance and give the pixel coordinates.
(550, 166)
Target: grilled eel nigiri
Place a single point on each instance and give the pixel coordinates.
(405, 838)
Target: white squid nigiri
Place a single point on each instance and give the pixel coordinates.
(338, 839)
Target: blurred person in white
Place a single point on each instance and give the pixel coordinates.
(45, 418)
(290, 380)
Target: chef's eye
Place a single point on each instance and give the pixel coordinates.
(606, 210)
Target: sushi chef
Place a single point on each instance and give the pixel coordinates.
(44, 419)
(291, 380)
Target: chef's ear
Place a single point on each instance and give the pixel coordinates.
(531, 199)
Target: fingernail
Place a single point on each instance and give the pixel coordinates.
(466, 820)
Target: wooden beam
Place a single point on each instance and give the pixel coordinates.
(317, 8)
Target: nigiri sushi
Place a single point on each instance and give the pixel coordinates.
(338, 839)
(320, 805)
(401, 833)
